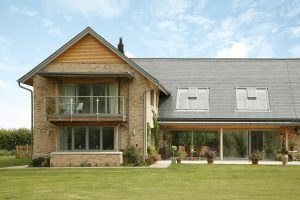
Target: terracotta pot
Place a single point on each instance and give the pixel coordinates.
(210, 160)
(254, 162)
(284, 159)
(178, 160)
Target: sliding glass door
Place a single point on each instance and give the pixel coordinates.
(235, 144)
(242, 143)
(90, 98)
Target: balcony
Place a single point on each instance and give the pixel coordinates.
(60, 109)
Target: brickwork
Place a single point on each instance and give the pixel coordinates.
(94, 159)
(46, 134)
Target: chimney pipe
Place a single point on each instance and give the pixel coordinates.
(121, 46)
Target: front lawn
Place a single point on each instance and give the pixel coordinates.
(9, 161)
(176, 182)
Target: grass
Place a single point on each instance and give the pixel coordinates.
(176, 182)
(8, 161)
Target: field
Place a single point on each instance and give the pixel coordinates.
(176, 182)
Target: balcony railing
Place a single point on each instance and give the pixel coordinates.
(94, 107)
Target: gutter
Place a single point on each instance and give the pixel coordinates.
(31, 93)
(229, 123)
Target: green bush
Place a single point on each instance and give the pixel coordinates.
(4, 152)
(10, 138)
(37, 162)
(132, 156)
(40, 162)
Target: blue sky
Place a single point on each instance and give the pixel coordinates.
(31, 30)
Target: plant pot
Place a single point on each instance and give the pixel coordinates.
(210, 160)
(284, 159)
(254, 162)
(173, 160)
(178, 160)
(193, 158)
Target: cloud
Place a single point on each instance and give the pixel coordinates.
(6, 63)
(295, 31)
(295, 51)
(129, 55)
(23, 10)
(245, 48)
(236, 50)
(170, 8)
(55, 31)
(102, 8)
(168, 26)
(6, 85)
(17, 113)
(50, 26)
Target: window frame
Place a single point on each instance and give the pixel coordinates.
(252, 110)
(192, 110)
(87, 132)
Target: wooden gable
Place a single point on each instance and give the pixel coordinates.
(88, 50)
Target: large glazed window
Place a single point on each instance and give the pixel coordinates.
(94, 98)
(66, 138)
(86, 138)
(192, 98)
(252, 99)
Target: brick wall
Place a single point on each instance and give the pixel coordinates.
(45, 133)
(94, 159)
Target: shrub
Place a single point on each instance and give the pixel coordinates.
(132, 156)
(85, 163)
(37, 162)
(210, 154)
(153, 159)
(4, 152)
(151, 150)
(256, 156)
(40, 162)
(10, 138)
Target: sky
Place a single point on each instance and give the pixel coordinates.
(32, 30)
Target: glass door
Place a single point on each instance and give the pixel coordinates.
(99, 92)
(84, 93)
(256, 141)
(235, 144)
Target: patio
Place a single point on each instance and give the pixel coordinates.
(166, 163)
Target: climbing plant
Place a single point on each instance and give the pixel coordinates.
(156, 131)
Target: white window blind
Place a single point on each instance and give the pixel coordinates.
(252, 99)
(192, 98)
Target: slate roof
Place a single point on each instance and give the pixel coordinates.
(222, 76)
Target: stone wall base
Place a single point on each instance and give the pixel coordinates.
(86, 159)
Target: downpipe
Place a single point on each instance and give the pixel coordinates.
(31, 94)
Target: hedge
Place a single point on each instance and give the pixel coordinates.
(10, 138)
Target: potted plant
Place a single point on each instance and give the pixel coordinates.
(210, 156)
(173, 159)
(292, 146)
(255, 157)
(180, 155)
(284, 156)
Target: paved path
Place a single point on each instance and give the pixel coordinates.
(166, 163)
(161, 164)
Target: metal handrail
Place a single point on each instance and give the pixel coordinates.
(59, 107)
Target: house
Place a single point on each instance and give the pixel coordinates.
(90, 101)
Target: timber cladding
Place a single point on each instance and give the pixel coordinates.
(88, 50)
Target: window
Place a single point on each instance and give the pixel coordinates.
(86, 138)
(252, 99)
(88, 95)
(192, 98)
